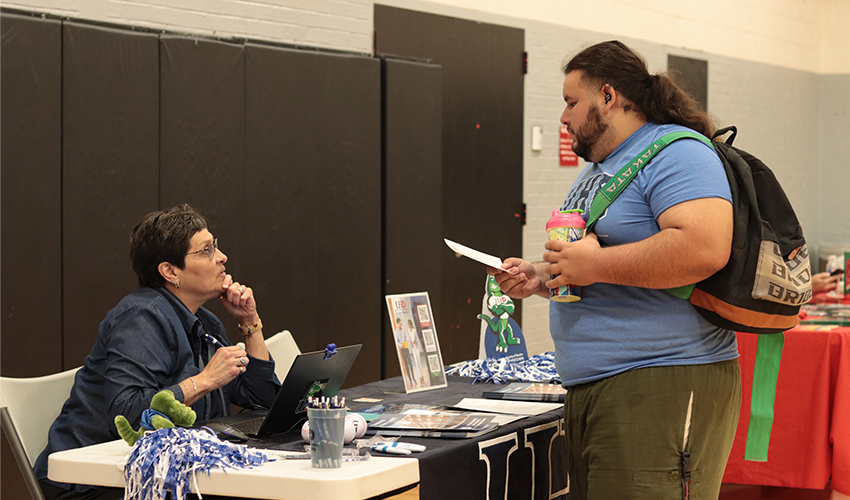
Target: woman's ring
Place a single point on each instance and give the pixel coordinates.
(243, 360)
(241, 290)
(241, 369)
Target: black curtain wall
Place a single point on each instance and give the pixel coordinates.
(279, 148)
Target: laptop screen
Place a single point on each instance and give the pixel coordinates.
(311, 375)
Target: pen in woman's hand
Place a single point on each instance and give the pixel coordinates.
(213, 340)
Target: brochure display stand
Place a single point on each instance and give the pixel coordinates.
(416, 341)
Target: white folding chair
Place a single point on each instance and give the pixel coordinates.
(284, 350)
(28, 406)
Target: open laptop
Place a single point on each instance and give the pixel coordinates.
(311, 375)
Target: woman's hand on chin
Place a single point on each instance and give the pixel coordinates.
(239, 301)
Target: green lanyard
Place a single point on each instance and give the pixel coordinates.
(765, 376)
(611, 189)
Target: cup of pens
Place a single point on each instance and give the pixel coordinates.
(327, 434)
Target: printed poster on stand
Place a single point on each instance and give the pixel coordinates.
(415, 337)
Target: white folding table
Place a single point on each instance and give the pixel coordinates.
(101, 465)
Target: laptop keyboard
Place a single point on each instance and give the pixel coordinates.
(249, 427)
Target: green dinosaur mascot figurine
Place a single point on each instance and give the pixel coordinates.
(165, 411)
(502, 307)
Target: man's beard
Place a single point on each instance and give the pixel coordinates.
(589, 135)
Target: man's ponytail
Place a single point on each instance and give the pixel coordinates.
(667, 102)
(657, 97)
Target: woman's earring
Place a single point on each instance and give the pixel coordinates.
(177, 284)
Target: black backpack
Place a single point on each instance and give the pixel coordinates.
(768, 276)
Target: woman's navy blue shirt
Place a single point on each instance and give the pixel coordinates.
(149, 342)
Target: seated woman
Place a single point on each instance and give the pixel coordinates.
(161, 337)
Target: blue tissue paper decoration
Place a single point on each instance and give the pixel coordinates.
(499, 370)
(167, 459)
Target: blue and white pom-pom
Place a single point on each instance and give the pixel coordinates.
(538, 368)
(166, 460)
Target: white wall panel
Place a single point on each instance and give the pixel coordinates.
(835, 37)
(833, 195)
(334, 24)
(787, 33)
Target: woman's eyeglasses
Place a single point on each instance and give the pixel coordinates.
(209, 251)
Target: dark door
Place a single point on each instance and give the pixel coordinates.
(412, 184)
(482, 120)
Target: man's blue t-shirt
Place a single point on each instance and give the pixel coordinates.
(615, 328)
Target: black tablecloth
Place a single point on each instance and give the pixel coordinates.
(525, 459)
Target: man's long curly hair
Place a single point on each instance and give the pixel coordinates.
(657, 97)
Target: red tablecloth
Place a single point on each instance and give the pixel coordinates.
(810, 440)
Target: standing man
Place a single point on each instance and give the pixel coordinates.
(653, 388)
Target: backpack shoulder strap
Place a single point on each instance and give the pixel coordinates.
(611, 189)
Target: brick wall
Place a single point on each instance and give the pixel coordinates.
(335, 24)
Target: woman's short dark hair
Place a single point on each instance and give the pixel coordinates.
(163, 236)
(657, 97)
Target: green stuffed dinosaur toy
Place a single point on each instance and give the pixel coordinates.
(501, 306)
(165, 412)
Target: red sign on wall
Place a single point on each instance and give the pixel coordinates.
(565, 149)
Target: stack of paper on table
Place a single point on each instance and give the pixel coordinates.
(469, 418)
